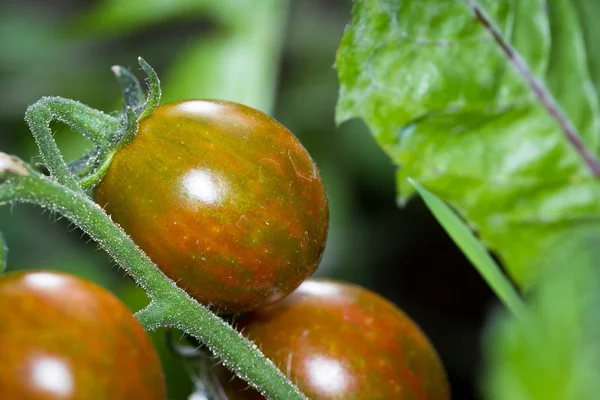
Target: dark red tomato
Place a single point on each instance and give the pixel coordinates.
(224, 199)
(339, 341)
(65, 338)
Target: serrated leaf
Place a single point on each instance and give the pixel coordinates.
(555, 354)
(451, 110)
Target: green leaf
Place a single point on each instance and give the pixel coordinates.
(588, 12)
(240, 64)
(554, 355)
(116, 17)
(473, 250)
(451, 110)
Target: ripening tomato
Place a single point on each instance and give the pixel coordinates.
(62, 337)
(340, 341)
(224, 199)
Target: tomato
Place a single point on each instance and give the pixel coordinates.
(339, 341)
(62, 337)
(224, 199)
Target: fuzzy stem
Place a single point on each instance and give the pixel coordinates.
(93, 124)
(170, 305)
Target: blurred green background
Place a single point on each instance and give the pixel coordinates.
(277, 56)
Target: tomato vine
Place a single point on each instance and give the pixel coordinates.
(64, 192)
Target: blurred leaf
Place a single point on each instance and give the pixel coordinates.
(25, 39)
(240, 64)
(116, 17)
(555, 355)
(588, 12)
(473, 250)
(449, 108)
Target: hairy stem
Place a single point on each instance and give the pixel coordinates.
(93, 124)
(170, 305)
(543, 95)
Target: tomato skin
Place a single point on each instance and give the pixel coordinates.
(339, 341)
(223, 199)
(62, 337)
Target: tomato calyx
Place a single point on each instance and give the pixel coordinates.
(137, 105)
(92, 166)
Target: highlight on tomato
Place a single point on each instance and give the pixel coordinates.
(62, 337)
(224, 199)
(340, 341)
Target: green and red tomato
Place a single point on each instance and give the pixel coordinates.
(224, 199)
(340, 341)
(65, 338)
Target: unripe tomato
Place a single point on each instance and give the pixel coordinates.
(339, 341)
(223, 198)
(62, 337)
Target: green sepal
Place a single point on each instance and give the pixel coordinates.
(131, 118)
(133, 95)
(154, 92)
(91, 167)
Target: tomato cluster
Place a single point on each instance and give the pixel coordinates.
(231, 207)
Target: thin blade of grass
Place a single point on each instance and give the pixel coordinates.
(474, 250)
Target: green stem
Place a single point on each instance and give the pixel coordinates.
(93, 124)
(170, 305)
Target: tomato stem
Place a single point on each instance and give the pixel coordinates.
(170, 306)
(100, 128)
